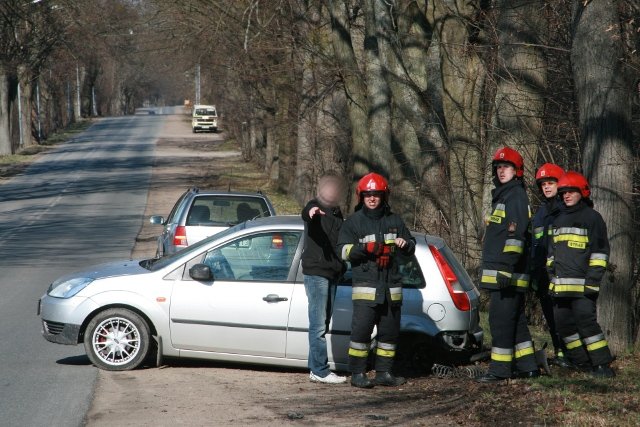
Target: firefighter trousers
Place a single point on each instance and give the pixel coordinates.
(386, 317)
(546, 304)
(578, 326)
(511, 345)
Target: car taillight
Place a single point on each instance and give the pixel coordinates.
(180, 237)
(458, 294)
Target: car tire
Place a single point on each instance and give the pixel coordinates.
(117, 339)
(415, 355)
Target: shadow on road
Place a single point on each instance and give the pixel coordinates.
(80, 360)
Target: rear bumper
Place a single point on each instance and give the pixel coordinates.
(60, 333)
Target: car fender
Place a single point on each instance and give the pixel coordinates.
(156, 310)
(418, 324)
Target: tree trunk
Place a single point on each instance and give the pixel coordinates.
(353, 84)
(521, 78)
(26, 108)
(404, 58)
(5, 120)
(378, 93)
(604, 100)
(463, 75)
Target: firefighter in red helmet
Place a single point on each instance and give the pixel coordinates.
(504, 271)
(547, 177)
(577, 260)
(370, 240)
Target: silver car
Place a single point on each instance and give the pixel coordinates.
(199, 214)
(239, 296)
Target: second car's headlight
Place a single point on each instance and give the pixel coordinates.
(69, 288)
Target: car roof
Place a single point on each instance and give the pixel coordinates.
(225, 193)
(204, 106)
(295, 222)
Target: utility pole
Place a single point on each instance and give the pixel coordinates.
(94, 108)
(38, 110)
(78, 104)
(198, 84)
(69, 106)
(21, 140)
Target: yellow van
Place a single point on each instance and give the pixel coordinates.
(204, 117)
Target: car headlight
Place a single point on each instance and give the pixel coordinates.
(68, 288)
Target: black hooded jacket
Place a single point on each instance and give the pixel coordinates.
(319, 257)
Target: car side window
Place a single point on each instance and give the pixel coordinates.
(259, 257)
(408, 267)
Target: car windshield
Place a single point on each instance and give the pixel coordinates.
(224, 210)
(205, 112)
(160, 263)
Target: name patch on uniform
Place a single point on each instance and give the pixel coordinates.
(576, 245)
(495, 218)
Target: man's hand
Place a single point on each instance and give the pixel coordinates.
(400, 242)
(315, 210)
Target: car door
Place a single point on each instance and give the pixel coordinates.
(245, 309)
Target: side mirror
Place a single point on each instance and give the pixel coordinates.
(201, 273)
(157, 220)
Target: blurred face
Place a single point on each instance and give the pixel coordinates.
(330, 192)
(549, 188)
(571, 198)
(505, 172)
(372, 199)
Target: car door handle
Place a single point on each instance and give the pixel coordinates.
(274, 298)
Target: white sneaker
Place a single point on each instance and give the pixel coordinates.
(329, 379)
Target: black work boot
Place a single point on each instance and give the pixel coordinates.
(603, 371)
(530, 374)
(361, 381)
(562, 361)
(489, 379)
(388, 379)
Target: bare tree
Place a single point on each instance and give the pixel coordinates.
(603, 90)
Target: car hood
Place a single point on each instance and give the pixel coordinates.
(110, 269)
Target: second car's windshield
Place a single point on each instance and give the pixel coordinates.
(188, 253)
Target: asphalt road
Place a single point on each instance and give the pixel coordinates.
(79, 204)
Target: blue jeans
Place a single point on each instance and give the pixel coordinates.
(321, 293)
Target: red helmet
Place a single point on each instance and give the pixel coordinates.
(549, 171)
(372, 182)
(510, 155)
(574, 181)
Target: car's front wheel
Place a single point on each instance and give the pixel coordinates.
(117, 340)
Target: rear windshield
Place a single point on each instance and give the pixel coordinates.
(204, 112)
(226, 210)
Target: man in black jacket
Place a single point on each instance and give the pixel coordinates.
(504, 271)
(369, 239)
(322, 268)
(578, 259)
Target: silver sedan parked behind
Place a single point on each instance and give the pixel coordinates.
(239, 296)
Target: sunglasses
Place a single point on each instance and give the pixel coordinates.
(372, 194)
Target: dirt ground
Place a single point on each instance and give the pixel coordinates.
(197, 393)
